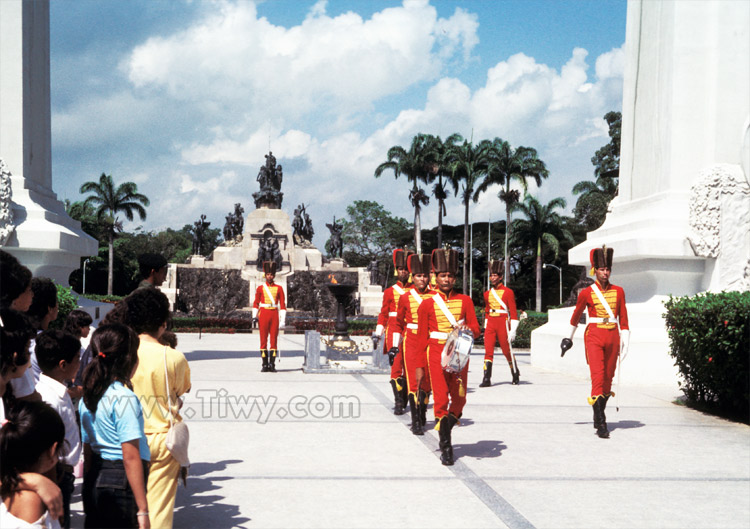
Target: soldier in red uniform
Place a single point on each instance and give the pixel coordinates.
(269, 311)
(500, 323)
(386, 321)
(607, 333)
(415, 362)
(438, 315)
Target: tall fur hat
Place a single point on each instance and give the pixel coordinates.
(400, 258)
(269, 267)
(445, 261)
(497, 266)
(601, 258)
(419, 264)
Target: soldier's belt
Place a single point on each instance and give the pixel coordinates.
(392, 314)
(498, 311)
(413, 326)
(602, 320)
(267, 306)
(436, 335)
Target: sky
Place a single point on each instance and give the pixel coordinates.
(185, 98)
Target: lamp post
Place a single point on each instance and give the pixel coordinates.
(559, 270)
(84, 275)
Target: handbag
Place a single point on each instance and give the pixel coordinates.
(178, 436)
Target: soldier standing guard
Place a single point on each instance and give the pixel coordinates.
(269, 312)
(500, 323)
(415, 362)
(386, 321)
(438, 315)
(607, 333)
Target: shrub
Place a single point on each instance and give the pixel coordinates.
(709, 338)
(104, 298)
(528, 324)
(66, 302)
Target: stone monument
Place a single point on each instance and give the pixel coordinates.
(33, 223)
(681, 221)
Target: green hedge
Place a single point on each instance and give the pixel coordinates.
(710, 341)
(528, 324)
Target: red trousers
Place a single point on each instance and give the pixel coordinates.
(397, 369)
(496, 331)
(412, 361)
(268, 325)
(447, 388)
(602, 349)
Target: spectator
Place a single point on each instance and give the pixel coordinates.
(16, 283)
(58, 355)
(148, 312)
(30, 441)
(78, 323)
(153, 268)
(115, 450)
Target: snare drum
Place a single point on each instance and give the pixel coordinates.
(457, 350)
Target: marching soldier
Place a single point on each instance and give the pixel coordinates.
(386, 323)
(607, 333)
(438, 315)
(269, 312)
(500, 323)
(415, 362)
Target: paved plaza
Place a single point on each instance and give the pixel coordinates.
(323, 451)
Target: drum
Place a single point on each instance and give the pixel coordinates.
(457, 350)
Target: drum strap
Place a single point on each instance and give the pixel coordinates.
(416, 297)
(440, 303)
(269, 294)
(399, 290)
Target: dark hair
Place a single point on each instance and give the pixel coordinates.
(14, 279)
(15, 332)
(114, 350)
(45, 298)
(117, 314)
(168, 338)
(148, 309)
(77, 319)
(149, 262)
(31, 429)
(53, 346)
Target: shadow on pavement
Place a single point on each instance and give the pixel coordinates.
(196, 508)
(195, 356)
(480, 450)
(625, 425)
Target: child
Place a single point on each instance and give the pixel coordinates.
(115, 450)
(57, 354)
(16, 332)
(78, 323)
(30, 440)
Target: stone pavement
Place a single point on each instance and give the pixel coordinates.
(300, 450)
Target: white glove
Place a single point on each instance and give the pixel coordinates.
(396, 339)
(513, 329)
(624, 343)
(573, 329)
(379, 330)
(255, 313)
(282, 319)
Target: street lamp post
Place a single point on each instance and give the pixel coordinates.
(559, 270)
(84, 275)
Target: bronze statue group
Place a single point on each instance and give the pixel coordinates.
(427, 329)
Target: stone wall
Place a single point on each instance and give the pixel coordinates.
(211, 291)
(307, 291)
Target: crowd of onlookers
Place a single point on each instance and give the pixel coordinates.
(106, 403)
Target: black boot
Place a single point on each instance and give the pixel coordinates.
(424, 399)
(404, 391)
(516, 373)
(487, 380)
(445, 425)
(272, 360)
(264, 356)
(599, 419)
(416, 423)
(398, 407)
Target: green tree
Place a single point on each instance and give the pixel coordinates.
(542, 226)
(468, 165)
(438, 168)
(109, 201)
(591, 207)
(371, 233)
(413, 164)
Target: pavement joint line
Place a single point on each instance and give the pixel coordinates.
(499, 506)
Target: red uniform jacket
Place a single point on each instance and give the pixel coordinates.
(261, 297)
(406, 317)
(389, 310)
(615, 298)
(506, 296)
(432, 319)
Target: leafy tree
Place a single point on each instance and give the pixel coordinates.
(468, 165)
(371, 233)
(591, 207)
(110, 201)
(438, 168)
(414, 164)
(542, 226)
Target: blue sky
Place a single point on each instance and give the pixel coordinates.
(183, 98)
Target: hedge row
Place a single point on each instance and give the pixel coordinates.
(710, 341)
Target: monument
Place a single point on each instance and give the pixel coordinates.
(680, 224)
(33, 223)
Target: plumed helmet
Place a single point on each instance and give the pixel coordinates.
(419, 264)
(445, 261)
(601, 257)
(497, 266)
(269, 267)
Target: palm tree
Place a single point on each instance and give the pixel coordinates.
(542, 226)
(413, 164)
(109, 202)
(438, 168)
(468, 164)
(508, 165)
